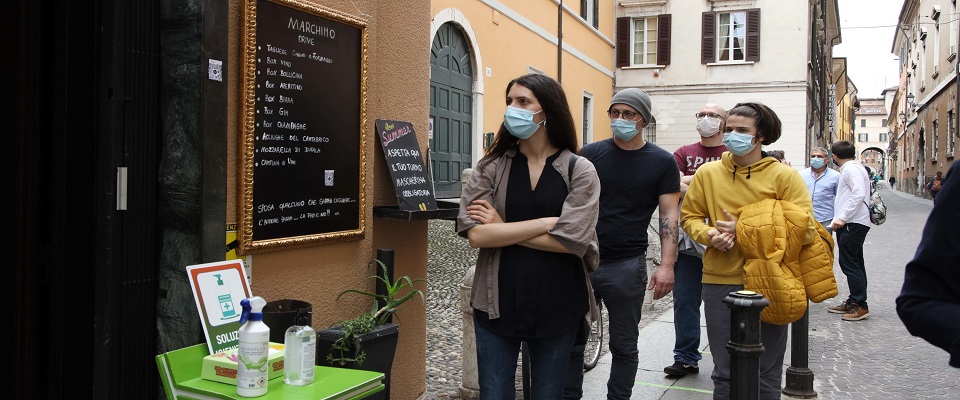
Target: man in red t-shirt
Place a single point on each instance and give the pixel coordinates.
(688, 271)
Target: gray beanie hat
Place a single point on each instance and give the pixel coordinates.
(635, 98)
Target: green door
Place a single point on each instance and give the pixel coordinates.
(451, 105)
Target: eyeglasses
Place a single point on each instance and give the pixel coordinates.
(711, 115)
(624, 114)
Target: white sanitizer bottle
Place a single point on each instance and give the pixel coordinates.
(254, 349)
(300, 351)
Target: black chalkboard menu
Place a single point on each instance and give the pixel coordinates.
(405, 162)
(303, 112)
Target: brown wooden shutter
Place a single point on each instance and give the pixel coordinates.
(623, 42)
(583, 9)
(663, 39)
(753, 35)
(708, 41)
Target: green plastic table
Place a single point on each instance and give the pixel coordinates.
(180, 373)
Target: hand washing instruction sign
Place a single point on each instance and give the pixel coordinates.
(217, 289)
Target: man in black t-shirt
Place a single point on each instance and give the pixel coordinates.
(635, 178)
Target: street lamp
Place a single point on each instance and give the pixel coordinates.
(910, 99)
(903, 116)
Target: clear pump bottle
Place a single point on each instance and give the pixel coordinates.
(300, 351)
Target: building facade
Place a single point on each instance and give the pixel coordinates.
(927, 138)
(872, 134)
(845, 104)
(689, 52)
(477, 47)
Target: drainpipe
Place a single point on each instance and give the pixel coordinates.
(560, 42)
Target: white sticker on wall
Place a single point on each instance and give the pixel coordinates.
(215, 70)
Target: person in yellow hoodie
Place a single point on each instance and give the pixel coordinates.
(744, 175)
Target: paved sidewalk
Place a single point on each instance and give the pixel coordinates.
(656, 351)
(871, 359)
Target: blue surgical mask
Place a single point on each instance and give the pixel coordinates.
(624, 129)
(738, 143)
(519, 122)
(817, 163)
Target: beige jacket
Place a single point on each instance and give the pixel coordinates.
(575, 229)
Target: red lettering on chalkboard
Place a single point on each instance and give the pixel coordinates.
(387, 137)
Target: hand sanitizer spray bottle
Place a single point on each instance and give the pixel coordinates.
(227, 309)
(254, 349)
(300, 351)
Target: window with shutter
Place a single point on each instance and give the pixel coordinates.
(663, 39)
(708, 42)
(730, 36)
(590, 12)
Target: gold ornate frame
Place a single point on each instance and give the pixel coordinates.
(246, 243)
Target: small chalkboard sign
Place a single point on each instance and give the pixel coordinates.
(405, 162)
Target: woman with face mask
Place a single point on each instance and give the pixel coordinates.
(531, 208)
(745, 175)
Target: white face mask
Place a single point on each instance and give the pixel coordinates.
(708, 126)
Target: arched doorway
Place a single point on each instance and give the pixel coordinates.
(875, 158)
(451, 104)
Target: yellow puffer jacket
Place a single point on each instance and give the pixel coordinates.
(787, 272)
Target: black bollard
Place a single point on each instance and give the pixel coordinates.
(386, 257)
(799, 376)
(744, 345)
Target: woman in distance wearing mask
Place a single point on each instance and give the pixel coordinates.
(745, 175)
(535, 228)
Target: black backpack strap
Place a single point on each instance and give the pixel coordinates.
(573, 161)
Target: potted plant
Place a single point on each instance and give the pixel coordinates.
(369, 340)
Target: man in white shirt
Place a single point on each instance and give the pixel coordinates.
(851, 222)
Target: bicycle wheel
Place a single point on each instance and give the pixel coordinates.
(592, 350)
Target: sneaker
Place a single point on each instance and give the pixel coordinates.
(680, 369)
(856, 313)
(841, 308)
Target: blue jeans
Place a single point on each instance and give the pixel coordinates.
(850, 240)
(497, 364)
(688, 273)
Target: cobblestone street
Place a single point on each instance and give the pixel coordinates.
(877, 358)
